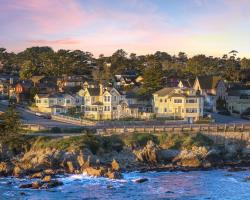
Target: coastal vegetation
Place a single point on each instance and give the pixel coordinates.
(154, 68)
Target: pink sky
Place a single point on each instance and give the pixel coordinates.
(212, 27)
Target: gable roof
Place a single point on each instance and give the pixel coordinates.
(164, 91)
(94, 91)
(208, 82)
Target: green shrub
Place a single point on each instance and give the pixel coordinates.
(140, 139)
(111, 143)
(184, 141)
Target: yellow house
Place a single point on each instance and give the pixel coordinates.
(56, 103)
(181, 103)
(100, 103)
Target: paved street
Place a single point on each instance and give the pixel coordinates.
(30, 118)
(223, 119)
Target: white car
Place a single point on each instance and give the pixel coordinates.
(38, 114)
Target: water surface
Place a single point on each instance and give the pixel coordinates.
(197, 185)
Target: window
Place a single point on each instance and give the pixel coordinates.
(114, 98)
(191, 101)
(45, 101)
(107, 98)
(87, 109)
(67, 101)
(161, 100)
(38, 101)
(51, 101)
(106, 108)
(177, 100)
(166, 100)
(191, 110)
(165, 110)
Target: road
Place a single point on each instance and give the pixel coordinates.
(30, 118)
(224, 119)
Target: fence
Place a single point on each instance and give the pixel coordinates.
(34, 127)
(176, 128)
(72, 120)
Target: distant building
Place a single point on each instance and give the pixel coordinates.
(23, 91)
(57, 103)
(178, 103)
(212, 88)
(133, 107)
(238, 100)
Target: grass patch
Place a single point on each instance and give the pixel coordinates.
(93, 142)
(140, 139)
(184, 141)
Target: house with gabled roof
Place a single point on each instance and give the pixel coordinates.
(212, 88)
(56, 103)
(178, 103)
(100, 103)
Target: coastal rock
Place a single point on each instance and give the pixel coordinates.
(141, 180)
(113, 174)
(18, 172)
(24, 186)
(167, 155)
(36, 185)
(50, 172)
(214, 157)
(47, 178)
(232, 151)
(95, 172)
(51, 184)
(115, 165)
(42, 185)
(192, 158)
(37, 175)
(6, 168)
(148, 153)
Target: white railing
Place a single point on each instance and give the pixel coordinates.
(73, 120)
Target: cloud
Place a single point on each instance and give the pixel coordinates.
(54, 42)
(45, 16)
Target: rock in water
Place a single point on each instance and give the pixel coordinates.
(114, 175)
(47, 178)
(115, 165)
(36, 185)
(141, 180)
(37, 175)
(51, 184)
(95, 172)
(29, 185)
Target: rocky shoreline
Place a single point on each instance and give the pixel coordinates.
(44, 164)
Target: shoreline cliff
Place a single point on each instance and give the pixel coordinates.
(109, 156)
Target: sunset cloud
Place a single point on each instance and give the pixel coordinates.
(140, 26)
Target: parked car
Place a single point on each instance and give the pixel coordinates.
(38, 114)
(45, 116)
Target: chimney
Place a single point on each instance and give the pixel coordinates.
(101, 88)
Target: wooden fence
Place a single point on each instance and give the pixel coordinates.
(176, 128)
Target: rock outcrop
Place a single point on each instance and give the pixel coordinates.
(149, 154)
